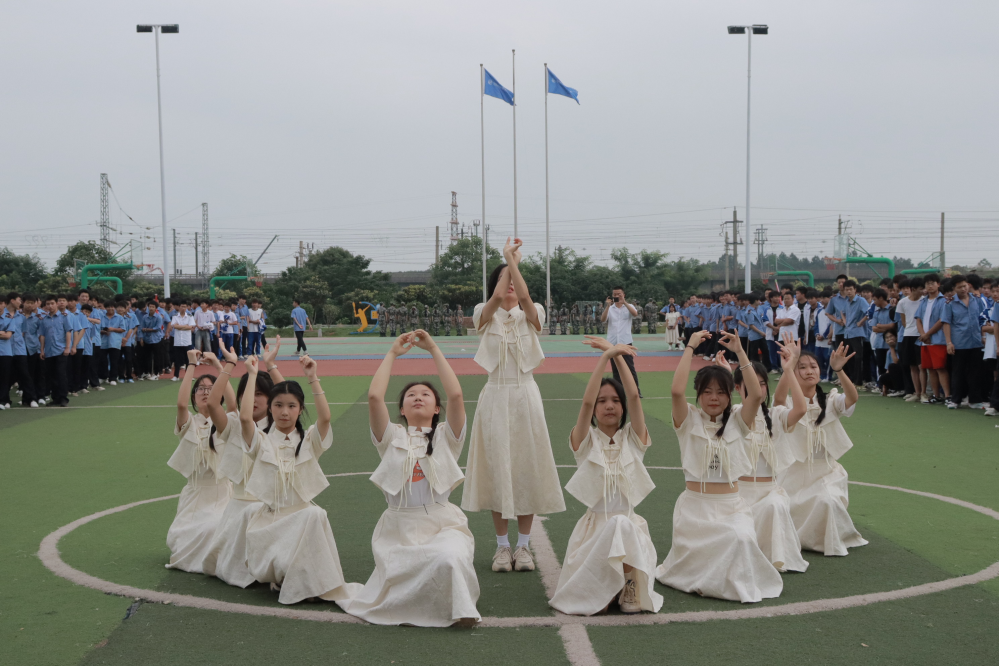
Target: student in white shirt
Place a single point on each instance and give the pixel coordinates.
(204, 320)
(182, 328)
(617, 314)
(254, 319)
(788, 315)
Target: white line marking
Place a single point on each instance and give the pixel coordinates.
(549, 564)
(578, 647)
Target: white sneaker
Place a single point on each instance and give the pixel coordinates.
(84, 391)
(100, 388)
(912, 397)
(175, 379)
(925, 399)
(154, 379)
(503, 559)
(628, 599)
(113, 383)
(977, 405)
(2, 407)
(34, 403)
(990, 412)
(522, 560)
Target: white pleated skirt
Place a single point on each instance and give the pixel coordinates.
(775, 531)
(819, 501)
(593, 571)
(226, 558)
(511, 468)
(424, 574)
(294, 547)
(199, 511)
(715, 552)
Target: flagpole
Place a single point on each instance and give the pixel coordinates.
(514, 51)
(482, 134)
(548, 256)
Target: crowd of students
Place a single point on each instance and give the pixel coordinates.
(61, 345)
(763, 479)
(921, 338)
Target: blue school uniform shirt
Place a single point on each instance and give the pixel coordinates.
(54, 328)
(880, 316)
(155, 322)
(133, 324)
(837, 307)
(263, 320)
(32, 326)
(752, 318)
(869, 324)
(936, 312)
(243, 312)
(77, 321)
(94, 332)
(7, 345)
(855, 310)
(710, 317)
(111, 339)
(965, 331)
(299, 317)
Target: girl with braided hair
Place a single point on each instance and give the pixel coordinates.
(206, 494)
(714, 551)
(816, 482)
(770, 451)
(424, 573)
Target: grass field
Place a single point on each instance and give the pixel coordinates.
(111, 449)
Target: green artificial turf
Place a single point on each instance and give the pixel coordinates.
(60, 465)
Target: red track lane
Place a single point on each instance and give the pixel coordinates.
(462, 366)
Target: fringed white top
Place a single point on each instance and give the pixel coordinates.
(235, 463)
(826, 441)
(281, 479)
(610, 471)
(708, 458)
(508, 338)
(194, 457)
(770, 453)
(407, 475)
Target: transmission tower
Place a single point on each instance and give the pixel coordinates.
(105, 214)
(761, 240)
(455, 233)
(205, 265)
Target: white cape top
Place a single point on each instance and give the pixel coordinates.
(193, 456)
(775, 449)
(235, 463)
(508, 328)
(708, 458)
(829, 438)
(402, 448)
(280, 478)
(604, 470)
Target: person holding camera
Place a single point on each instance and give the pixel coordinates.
(617, 314)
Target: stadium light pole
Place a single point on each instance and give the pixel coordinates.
(748, 30)
(156, 30)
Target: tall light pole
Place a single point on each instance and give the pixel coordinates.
(156, 30)
(748, 30)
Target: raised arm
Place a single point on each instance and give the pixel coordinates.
(489, 309)
(184, 392)
(449, 380)
(378, 414)
(790, 352)
(323, 417)
(836, 363)
(754, 397)
(635, 410)
(269, 355)
(246, 423)
(678, 390)
(215, 409)
(511, 252)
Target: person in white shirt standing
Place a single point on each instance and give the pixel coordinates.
(182, 328)
(788, 315)
(617, 314)
(204, 320)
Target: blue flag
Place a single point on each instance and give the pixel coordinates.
(493, 88)
(556, 87)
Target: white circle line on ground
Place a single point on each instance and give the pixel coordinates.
(48, 553)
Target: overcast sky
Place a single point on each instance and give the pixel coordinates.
(351, 123)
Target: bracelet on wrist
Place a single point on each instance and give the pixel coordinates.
(272, 367)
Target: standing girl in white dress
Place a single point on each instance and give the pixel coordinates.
(197, 456)
(511, 468)
(714, 551)
(289, 542)
(610, 553)
(816, 481)
(672, 328)
(770, 451)
(424, 573)
(226, 556)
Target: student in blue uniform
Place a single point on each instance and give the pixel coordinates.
(112, 330)
(300, 320)
(963, 332)
(56, 336)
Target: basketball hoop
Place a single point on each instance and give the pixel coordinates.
(72, 282)
(831, 262)
(258, 280)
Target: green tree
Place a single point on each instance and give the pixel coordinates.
(341, 272)
(235, 265)
(414, 293)
(89, 252)
(461, 263)
(19, 272)
(315, 292)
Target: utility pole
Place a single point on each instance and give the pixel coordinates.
(205, 263)
(726, 259)
(300, 255)
(197, 266)
(454, 218)
(175, 251)
(761, 240)
(437, 245)
(105, 215)
(943, 262)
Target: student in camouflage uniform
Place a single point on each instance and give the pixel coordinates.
(651, 316)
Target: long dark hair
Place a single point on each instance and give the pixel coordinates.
(437, 417)
(493, 280)
(264, 385)
(619, 388)
(292, 389)
(194, 387)
(820, 395)
(761, 372)
(712, 373)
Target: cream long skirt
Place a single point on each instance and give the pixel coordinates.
(511, 468)
(424, 573)
(673, 336)
(819, 501)
(775, 531)
(593, 571)
(714, 550)
(294, 547)
(226, 557)
(199, 511)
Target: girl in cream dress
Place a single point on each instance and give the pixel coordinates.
(610, 553)
(511, 469)
(770, 451)
(226, 556)
(714, 551)
(816, 481)
(197, 456)
(672, 328)
(424, 573)
(289, 542)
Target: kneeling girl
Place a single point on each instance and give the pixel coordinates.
(423, 549)
(610, 553)
(714, 551)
